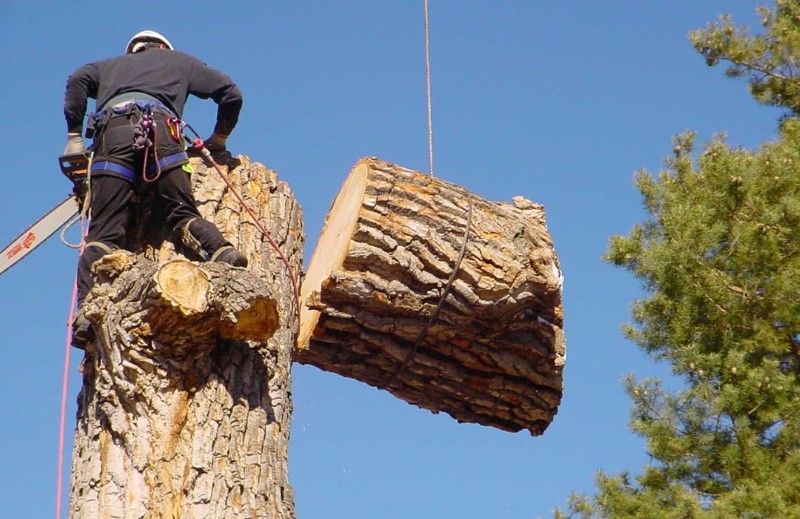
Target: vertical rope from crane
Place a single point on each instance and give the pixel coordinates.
(428, 88)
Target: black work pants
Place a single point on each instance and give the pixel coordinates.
(111, 213)
(118, 164)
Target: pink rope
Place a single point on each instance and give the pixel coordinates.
(62, 425)
(64, 384)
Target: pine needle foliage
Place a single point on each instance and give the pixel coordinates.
(769, 60)
(719, 258)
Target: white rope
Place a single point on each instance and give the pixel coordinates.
(84, 215)
(428, 85)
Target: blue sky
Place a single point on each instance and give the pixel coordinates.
(560, 102)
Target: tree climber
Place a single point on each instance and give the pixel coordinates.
(138, 143)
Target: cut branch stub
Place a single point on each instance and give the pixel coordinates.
(184, 286)
(447, 300)
(192, 304)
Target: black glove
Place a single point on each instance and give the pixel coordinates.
(216, 142)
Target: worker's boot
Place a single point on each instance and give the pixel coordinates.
(82, 331)
(228, 254)
(202, 237)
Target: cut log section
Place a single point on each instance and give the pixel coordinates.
(446, 300)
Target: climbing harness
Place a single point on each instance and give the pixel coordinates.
(144, 134)
(174, 128)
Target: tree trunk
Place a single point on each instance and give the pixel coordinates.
(446, 300)
(185, 405)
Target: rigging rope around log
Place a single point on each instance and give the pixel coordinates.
(199, 145)
(449, 284)
(445, 293)
(462, 252)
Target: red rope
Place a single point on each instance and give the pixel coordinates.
(200, 146)
(65, 378)
(63, 418)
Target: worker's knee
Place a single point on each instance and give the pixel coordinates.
(99, 247)
(92, 252)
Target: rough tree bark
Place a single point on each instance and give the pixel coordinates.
(185, 405)
(447, 300)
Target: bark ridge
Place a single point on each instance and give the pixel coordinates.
(185, 405)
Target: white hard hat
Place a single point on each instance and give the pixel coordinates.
(144, 37)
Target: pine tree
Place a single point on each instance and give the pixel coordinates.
(719, 256)
(769, 61)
